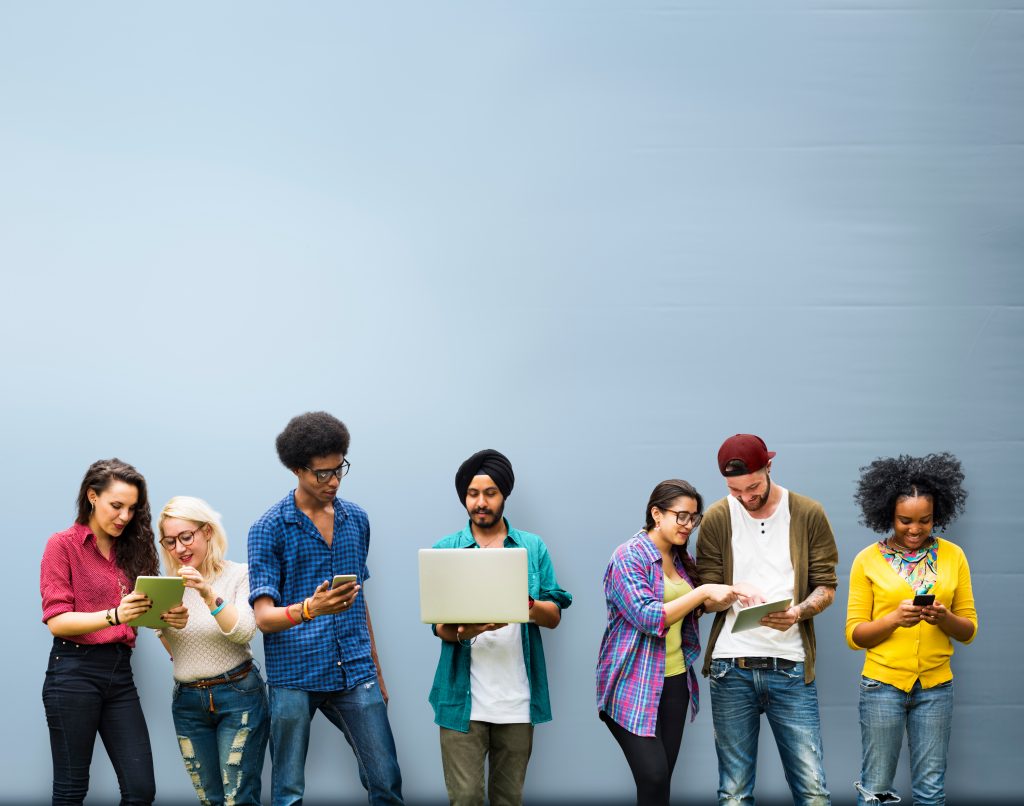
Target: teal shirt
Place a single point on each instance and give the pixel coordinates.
(450, 693)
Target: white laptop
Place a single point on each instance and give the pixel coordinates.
(473, 586)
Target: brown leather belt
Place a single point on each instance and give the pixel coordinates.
(238, 674)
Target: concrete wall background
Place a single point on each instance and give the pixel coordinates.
(598, 236)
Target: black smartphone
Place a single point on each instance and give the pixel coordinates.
(924, 599)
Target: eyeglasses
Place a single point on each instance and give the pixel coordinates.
(684, 518)
(337, 472)
(185, 538)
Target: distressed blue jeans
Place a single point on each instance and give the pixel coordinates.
(738, 698)
(886, 713)
(359, 713)
(222, 734)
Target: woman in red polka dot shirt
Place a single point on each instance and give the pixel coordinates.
(86, 580)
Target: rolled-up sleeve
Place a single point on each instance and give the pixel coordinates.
(823, 555)
(264, 563)
(550, 591)
(55, 581)
(627, 586)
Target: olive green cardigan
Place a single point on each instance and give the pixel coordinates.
(812, 547)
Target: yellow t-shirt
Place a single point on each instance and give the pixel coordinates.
(674, 636)
(921, 652)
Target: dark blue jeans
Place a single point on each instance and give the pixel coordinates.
(360, 714)
(222, 734)
(89, 689)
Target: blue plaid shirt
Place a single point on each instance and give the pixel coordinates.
(287, 560)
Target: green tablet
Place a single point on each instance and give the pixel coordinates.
(164, 593)
(750, 617)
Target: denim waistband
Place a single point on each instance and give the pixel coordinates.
(230, 676)
(64, 645)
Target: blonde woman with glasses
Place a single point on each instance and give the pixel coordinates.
(219, 703)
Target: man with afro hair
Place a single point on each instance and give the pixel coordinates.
(318, 637)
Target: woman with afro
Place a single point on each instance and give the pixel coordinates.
(910, 595)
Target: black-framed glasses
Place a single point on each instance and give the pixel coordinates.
(684, 518)
(337, 472)
(185, 538)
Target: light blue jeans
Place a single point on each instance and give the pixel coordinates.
(738, 698)
(359, 713)
(222, 734)
(886, 713)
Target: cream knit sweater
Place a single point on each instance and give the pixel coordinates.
(201, 649)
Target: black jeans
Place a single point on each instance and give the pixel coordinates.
(651, 759)
(89, 689)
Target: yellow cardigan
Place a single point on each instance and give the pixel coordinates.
(910, 653)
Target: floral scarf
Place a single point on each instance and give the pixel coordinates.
(919, 567)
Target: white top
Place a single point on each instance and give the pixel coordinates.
(202, 649)
(761, 556)
(498, 685)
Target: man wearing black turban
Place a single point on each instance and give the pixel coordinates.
(491, 686)
(492, 464)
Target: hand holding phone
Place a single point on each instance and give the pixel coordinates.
(341, 579)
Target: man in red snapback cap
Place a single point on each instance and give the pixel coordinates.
(781, 543)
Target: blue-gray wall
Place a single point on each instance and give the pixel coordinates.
(600, 236)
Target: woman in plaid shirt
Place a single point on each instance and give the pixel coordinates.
(645, 675)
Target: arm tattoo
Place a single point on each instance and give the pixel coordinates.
(818, 599)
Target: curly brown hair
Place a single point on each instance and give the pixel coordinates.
(135, 549)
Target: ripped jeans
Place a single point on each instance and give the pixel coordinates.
(886, 713)
(738, 698)
(222, 734)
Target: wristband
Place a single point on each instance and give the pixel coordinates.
(117, 616)
(288, 614)
(220, 605)
(305, 610)
(532, 601)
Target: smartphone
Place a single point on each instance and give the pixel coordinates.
(924, 599)
(341, 579)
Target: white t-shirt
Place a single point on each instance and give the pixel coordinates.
(498, 685)
(761, 556)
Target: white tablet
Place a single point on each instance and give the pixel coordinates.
(750, 617)
(473, 586)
